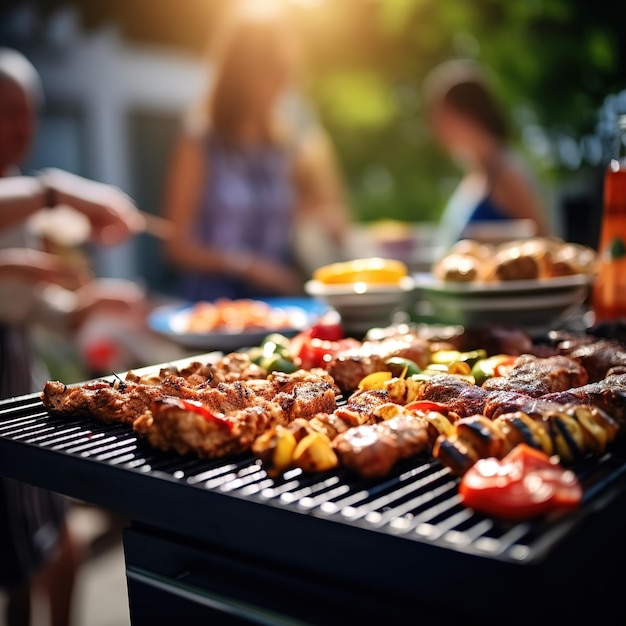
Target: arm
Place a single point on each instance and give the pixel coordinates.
(321, 195)
(514, 193)
(185, 180)
(112, 214)
(39, 287)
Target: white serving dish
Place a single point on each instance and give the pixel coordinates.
(532, 303)
(363, 305)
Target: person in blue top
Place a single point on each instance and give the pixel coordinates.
(468, 122)
(241, 178)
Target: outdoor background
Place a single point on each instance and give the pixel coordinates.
(119, 75)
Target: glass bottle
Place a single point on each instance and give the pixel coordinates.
(609, 291)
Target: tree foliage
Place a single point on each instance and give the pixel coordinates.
(555, 62)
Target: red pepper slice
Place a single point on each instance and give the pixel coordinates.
(197, 407)
(313, 352)
(423, 406)
(504, 367)
(327, 331)
(525, 483)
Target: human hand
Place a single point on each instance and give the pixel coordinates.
(109, 297)
(274, 277)
(34, 266)
(112, 214)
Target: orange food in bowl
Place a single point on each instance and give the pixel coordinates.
(374, 270)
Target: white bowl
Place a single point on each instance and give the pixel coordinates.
(531, 303)
(363, 305)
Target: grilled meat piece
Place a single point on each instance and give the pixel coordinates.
(194, 374)
(597, 356)
(361, 405)
(349, 367)
(536, 377)
(306, 400)
(608, 394)
(273, 446)
(462, 397)
(372, 450)
(499, 402)
(121, 401)
(237, 366)
(108, 402)
(170, 425)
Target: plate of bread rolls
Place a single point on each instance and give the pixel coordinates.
(533, 281)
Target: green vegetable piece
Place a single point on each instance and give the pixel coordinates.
(278, 340)
(256, 355)
(402, 368)
(278, 363)
(472, 357)
(482, 370)
(445, 357)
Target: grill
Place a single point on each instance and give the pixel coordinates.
(400, 544)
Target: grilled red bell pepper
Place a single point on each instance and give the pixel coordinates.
(197, 407)
(525, 483)
(423, 406)
(504, 367)
(310, 350)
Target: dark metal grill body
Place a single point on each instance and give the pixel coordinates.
(221, 537)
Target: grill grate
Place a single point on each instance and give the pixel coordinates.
(418, 502)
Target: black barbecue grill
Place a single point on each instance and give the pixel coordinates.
(222, 539)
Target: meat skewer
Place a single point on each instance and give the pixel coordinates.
(281, 448)
(211, 421)
(569, 423)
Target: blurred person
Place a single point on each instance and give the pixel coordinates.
(36, 549)
(241, 180)
(471, 126)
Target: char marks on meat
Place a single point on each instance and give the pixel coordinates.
(608, 394)
(170, 426)
(108, 402)
(156, 412)
(536, 377)
(360, 406)
(372, 450)
(459, 395)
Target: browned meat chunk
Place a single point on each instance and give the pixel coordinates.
(372, 450)
(124, 402)
(500, 402)
(349, 367)
(170, 425)
(360, 406)
(306, 400)
(596, 356)
(109, 402)
(459, 395)
(536, 377)
(608, 394)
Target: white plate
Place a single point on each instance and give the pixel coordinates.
(172, 320)
(428, 282)
(530, 303)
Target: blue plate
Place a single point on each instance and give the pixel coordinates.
(172, 320)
